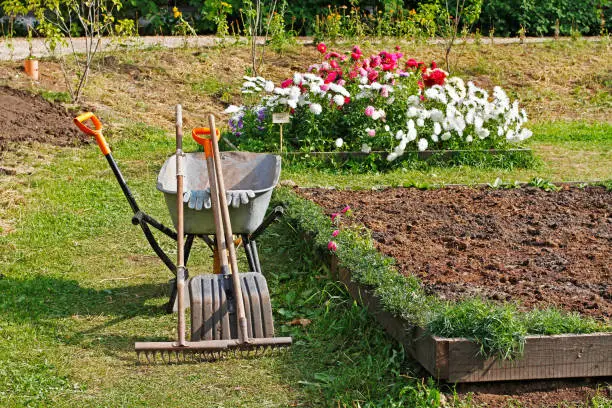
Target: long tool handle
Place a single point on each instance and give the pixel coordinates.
(229, 239)
(180, 229)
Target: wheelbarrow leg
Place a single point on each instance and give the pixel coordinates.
(249, 252)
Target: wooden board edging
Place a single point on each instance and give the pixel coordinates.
(457, 360)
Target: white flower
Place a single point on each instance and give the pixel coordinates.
(339, 100)
(422, 144)
(392, 156)
(469, 138)
(436, 115)
(437, 128)
(387, 128)
(316, 108)
(297, 78)
(482, 133)
(339, 142)
(445, 136)
(400, 134)
(363, 80)
(366, 148)
(412, 112)
(420, 122)
(292, 103)
(413, 100)
(232, 109)
(434, 138)
(269, 86)
(412, 134)
(390, 100)
(525, 134)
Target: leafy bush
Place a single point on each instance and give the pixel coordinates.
(376, 103)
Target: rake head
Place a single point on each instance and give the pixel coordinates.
(208, 351)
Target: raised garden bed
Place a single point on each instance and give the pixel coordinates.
(454, 358)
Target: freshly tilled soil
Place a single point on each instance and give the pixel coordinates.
(528, 246)
(25, 118)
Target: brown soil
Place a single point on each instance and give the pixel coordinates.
(526, 245)
(25, 118)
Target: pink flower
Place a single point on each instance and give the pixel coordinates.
(322, 48)
(334, 64)
(345, 209)
(375, 61)
(384, 92)
(372, 75)
(324, 87)
(331, 77)
(334, 55)
(335, 233)
(341, 82)
(369, 111)
(334, 215)
(286, 83)
(397, 48)
(371, 132)
(332, 246)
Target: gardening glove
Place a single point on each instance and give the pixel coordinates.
(196, 199)
(237, 197)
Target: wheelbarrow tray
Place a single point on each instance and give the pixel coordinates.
(258, 172)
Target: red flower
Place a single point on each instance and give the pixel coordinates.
(322, 48)
(334, 64)
(347, 100)
(411, 63)
(333, 55)
(356, 55)
(287, 83)
(397, 48)
(434, 65)
(434, 77)
(372, 75)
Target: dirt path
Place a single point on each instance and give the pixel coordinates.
(528, 246)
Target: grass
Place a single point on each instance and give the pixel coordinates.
(80, 285)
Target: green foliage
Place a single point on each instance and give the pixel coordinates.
(499, 329)
(539, 17)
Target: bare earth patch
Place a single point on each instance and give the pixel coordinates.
(526, 245)
(530, 246)
(29, 118)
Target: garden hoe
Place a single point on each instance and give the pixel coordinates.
(229, 312)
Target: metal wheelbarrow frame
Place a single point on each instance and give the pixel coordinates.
(145, 221)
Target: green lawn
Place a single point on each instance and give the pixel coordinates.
(80, 285)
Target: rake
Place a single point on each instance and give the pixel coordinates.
(230, 312)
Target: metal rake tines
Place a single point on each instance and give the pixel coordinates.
(179, 357)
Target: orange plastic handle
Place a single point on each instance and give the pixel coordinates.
(96, 132)
(202, 137)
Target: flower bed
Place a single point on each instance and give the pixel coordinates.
(498, 329)
(380, 102)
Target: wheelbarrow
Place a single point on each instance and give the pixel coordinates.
(250, 178)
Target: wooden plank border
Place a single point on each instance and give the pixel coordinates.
(456, 360)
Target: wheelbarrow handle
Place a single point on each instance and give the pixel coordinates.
(202, 137)
(80, 120)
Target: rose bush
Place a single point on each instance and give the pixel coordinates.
(352, 102)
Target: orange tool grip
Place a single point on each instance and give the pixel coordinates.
(80, 120)
(202, 137)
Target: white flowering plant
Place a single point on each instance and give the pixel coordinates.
(350, 102)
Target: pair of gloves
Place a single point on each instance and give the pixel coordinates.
(198, 199)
